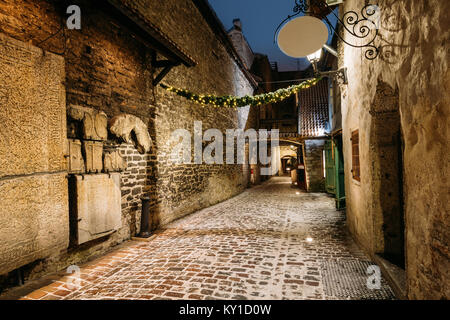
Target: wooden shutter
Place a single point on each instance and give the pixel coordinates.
(355, 156)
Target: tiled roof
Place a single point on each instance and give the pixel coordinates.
(313, 110)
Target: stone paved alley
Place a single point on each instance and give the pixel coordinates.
(270, 242)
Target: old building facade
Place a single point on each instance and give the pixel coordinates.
(395, 140)
(98, 127)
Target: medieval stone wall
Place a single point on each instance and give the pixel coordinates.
(109, 70)
(182, 189)
(413, 62)
(314, 165)
(33, 204)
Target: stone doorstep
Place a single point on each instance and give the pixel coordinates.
(395, 276)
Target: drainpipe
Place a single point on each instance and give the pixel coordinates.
(145, 219)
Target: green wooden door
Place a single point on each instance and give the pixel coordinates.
(330, 174)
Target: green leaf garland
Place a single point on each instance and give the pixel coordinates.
(237, 102)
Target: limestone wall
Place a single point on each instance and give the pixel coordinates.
(108, 70)
(414, 62)
(33, 187)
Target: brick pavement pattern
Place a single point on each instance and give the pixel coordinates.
(270, 242)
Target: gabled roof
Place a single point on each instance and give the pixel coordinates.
(313, 110)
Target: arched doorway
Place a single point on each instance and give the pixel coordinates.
(287, 165)
(386, 143)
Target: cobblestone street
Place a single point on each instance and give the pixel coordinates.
(270, 242)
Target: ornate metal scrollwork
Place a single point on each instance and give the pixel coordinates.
(361, 26)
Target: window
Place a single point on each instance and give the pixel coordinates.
(355, 156)
(324, 165)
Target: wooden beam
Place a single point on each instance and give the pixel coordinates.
(162, 74)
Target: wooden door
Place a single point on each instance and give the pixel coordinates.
(330, 170)
(339, 172)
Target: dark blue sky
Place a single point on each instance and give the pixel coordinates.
(259, 19)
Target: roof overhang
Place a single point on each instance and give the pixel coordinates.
(147, 33)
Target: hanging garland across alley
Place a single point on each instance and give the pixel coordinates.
(236, 102)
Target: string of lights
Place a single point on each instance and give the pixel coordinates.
(237, 102)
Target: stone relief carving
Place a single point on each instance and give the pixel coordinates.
(76, 161)
(96, 208)
(94, 122)
(88, 131)
(34, 215)
(122, 126)
(385, 100)
(89, 151)
(113, 161)
(93, 151)
(98, 203)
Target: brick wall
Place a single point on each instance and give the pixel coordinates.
(107, 69)
(182, 189)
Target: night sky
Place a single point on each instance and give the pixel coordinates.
(260, 18)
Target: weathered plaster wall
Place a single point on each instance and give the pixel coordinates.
(414, 60)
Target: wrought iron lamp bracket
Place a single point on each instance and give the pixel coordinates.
(363, 26)
(340, 75)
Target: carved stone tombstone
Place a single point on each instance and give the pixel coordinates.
(93, 151)
(97, 205)
(33, 187)
(76, 161)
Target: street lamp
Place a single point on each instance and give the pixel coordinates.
(314, 58)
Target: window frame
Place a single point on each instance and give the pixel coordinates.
(356, 163)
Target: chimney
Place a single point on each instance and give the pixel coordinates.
(237, 24)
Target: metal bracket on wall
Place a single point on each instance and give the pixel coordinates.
(339, 75)
(362, 28)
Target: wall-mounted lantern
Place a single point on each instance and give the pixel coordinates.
(314, 58)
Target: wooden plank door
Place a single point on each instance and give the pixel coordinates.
(330, 175)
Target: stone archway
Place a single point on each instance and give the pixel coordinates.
(386, 147)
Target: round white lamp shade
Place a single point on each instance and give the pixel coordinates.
(302, 36)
